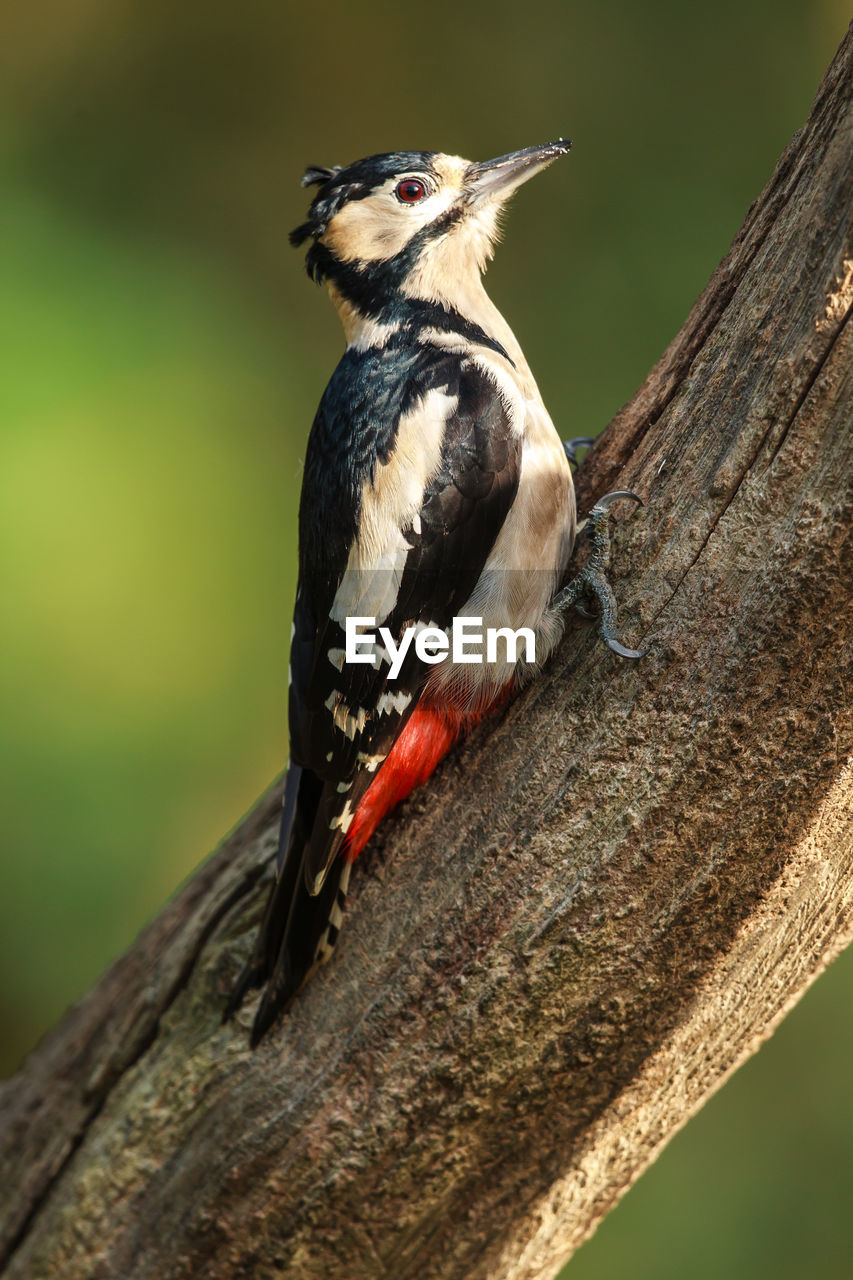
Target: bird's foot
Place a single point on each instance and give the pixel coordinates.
(579, 442)
(592, 580)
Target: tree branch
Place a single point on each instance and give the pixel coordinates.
(596, 910)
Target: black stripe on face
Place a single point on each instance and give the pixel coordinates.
(370, 286)
(410, 315)
(375, 289)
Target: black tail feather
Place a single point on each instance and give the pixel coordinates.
(298, 930)
(308, 940)
(301, 796)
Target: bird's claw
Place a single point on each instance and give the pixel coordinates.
(579, 442)
(623, 652)
(592, 580)
(604, 502)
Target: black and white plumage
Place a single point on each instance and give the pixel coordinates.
(435, 486)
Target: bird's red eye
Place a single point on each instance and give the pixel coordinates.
(410, 190)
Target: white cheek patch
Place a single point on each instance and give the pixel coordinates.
(450, 266)
(362, 231)
(380, 226)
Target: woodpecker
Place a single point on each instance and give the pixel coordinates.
(435, 487)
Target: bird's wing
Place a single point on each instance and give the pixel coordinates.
(345, 717)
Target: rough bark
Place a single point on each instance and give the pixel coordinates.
(593, 913)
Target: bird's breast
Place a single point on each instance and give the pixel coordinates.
(528, 559)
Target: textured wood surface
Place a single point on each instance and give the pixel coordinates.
(595, 911)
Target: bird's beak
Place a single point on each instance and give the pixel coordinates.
(496, 179)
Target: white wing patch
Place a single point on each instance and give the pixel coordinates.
(393, 702)
(391, 503)
(348, 723)
(342, 820)
(369, 762)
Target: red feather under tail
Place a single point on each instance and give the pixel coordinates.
(428, 736)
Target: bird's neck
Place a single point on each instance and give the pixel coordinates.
(459, 311)
(467, 297)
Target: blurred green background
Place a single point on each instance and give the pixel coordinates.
(162, 353)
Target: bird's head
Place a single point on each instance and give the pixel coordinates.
(415, 224)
